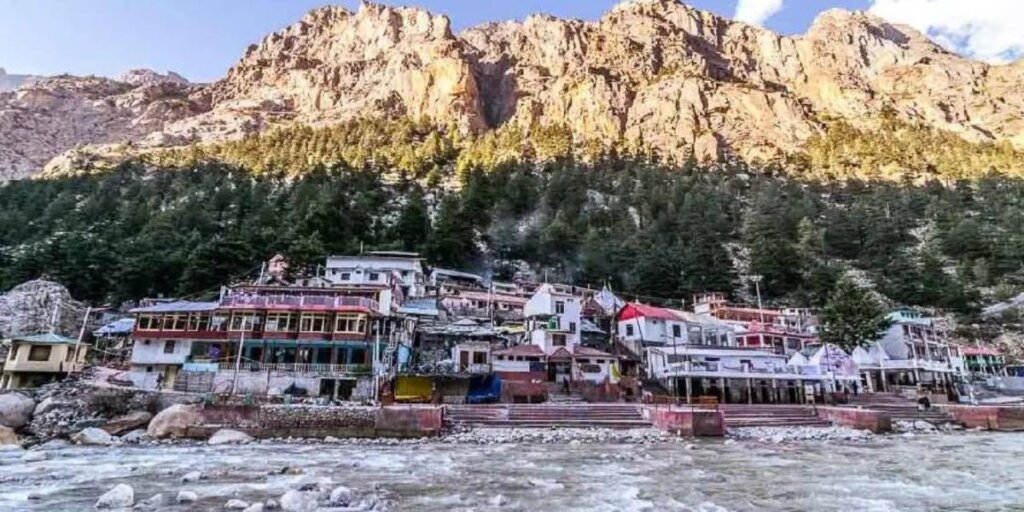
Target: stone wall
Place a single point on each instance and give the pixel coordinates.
(522, 392)
(408, 421)
(321, 421)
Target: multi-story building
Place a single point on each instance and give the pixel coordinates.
(38, 359)
(484, 304)
(379, 269)
(553, 343)
(317, 339)
(914, 350)
(781, 331)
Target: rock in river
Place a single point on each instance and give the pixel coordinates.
(121, 496)
(174, 421)
(93, 436)
(228, 436)
(130, 421)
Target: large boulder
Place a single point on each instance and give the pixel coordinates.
(130, 421)
(49, 404)
(15, 410)
(299, 501)
(228, 436)
(8, 437)
(93, 436)
(174, 421)
(121, 496)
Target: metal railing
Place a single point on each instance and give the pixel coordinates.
(265, 301)
(331, 369)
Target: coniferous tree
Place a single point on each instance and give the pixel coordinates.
(853, 317)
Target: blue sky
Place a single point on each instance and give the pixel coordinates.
(202, 38)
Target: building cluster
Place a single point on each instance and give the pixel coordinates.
(383, 326)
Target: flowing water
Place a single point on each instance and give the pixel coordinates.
(971, 471)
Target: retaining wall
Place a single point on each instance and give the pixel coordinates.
(861, 419)
(988, 417)
(320, 421)
(686, 421)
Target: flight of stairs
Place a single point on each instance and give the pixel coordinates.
(550, 415)
(900, 408)
(741, 415)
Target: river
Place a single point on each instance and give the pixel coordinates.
(968, 471)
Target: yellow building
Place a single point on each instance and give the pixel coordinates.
(41, 358)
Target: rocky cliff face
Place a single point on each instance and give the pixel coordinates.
(10, 82)
(650, 73)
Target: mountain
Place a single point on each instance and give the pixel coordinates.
(651, 74)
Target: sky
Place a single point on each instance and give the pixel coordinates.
(200, 39)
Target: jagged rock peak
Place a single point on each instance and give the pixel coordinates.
(139, 77)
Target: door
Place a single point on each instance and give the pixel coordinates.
(463, 361)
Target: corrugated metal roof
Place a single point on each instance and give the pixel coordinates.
(46, 339)
(122, 326)
(181, 306)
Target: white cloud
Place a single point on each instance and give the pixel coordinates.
(756, 12)
(990, 30)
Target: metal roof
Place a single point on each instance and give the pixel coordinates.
(122, 326)
(180, 306)
(45, 339)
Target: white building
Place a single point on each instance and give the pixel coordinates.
(915, 350)
(654, 326)
(379, 269)
(839, 369)
(552, 347)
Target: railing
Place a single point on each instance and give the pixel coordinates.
(475, 368)
(266, 301)
(331, 369)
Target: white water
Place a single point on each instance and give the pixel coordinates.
(971, 471)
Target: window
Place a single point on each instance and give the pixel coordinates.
(243, 321)
(150, 322)
(559, 307)
(199, 322)
(572, 326)
(219, 322)
(629, 329)
(14, 353)
(676, 331)
(39, 352)
(313, 322)
(374, 276)
(282, 322)
(177, 322)
(169, 346)
(352, 324)
(479, 357)
(346, 276)
(558, 340)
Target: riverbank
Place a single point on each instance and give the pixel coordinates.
(970, 470)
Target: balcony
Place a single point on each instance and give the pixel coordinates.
(309, 368)
(298, 302)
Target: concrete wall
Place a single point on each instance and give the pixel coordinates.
(153, 352)
(861, 419)
(316, 421)
(686, 421)
(988, 417)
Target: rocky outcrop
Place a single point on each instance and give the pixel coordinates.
(652, 74)
(15, 410)
(10, 82)
(28, 308)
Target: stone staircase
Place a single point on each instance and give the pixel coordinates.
(901, 409)
(741, 415)
(550, 415)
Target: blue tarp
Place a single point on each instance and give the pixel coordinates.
(484, 389)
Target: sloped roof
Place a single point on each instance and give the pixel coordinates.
(520, 350)
(980, 351)
(582, 351)
(181, 306)
(122, 326)
(591, 327)
(46, 339)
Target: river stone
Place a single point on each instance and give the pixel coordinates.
(923, 425)
(121, 496)
(93, 436)
(228, 436)
(192, 476)
(299, 501)
(134, 436)
(33, 457)
(15, 410)
(187, 497)
(341, 496)
(49, 404)
(8, 437)
(255, 507)
(174, 421)
(236, 505)
(154, 502)
(130, 421)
